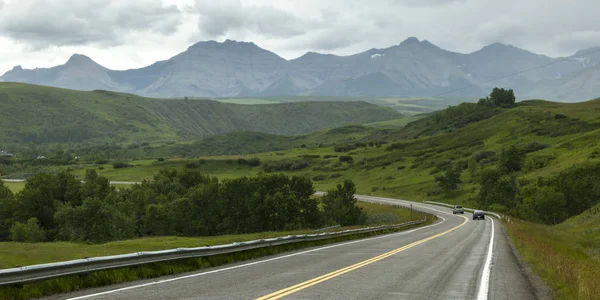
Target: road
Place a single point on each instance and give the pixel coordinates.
(111, 182)
(450, 259)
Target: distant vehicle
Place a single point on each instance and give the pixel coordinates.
(458, 209)
(478, 214)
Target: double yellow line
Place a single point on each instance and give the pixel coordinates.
(298, 287)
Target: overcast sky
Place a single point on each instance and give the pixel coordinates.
(134, 33)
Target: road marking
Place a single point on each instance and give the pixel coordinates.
(251, 264)
(484, 284)
(306, 284)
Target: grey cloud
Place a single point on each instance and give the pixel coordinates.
(217, 19)
(578, 40)
(41, 24)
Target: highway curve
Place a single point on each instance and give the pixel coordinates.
(447, 260)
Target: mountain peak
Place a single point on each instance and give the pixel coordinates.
(226, 43)
(410, 41)
(79, 60)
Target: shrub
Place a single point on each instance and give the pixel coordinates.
(559, 116)
(29, 232)
(160, 159)
(535, 146)
(346, 158)
(319, 178)
(253, 162)
(329, 156)
(344, 148)
(479, 156)
(310, 156)
(121, 165)
(101, 161)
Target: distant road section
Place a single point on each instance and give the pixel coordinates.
(111, 182)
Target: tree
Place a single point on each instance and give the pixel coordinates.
(29, 232)
(450, 180)
(511, 159)
(340, 206)
(501, 97)
(8, 206)
(497, 187)
(543, 204)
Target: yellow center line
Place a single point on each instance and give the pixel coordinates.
(306, 284)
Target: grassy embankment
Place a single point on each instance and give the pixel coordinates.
(566, 256)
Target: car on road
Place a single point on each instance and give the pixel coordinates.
(478, 214)
(458, 209)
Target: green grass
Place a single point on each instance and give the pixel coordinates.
(566, 256)
(15, 186)
(30, 113)
(395, 124)
(247, 101)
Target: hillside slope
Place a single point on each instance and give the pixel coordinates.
(41, 114)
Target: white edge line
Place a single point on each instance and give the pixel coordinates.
(248, 264)
(484, 284)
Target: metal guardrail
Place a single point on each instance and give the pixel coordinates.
(32, 273)
(499, 216)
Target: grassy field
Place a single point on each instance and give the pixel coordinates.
(30, 113)
(22, 254)
(395, 124)
(567, 256)
(408, 168)
(15, 186)
(247, 101)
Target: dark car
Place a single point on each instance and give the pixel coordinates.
(478, 214)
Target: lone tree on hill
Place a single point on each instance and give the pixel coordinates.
(499, 97)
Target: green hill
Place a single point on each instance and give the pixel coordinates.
(30, 113)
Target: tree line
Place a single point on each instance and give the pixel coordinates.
(503, 189)
(59, 207)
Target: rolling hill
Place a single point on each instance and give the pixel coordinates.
(40, 114)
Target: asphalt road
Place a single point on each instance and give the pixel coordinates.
(447, 260)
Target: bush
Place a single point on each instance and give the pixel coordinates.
(101, 161)
(346, 158)
(560, 116)
(533, 163)
(344, 148)
(319, 178)
(479, 156)
(193, 165)
(121, 165)
(310, 156)
(329, 156)
(535, 146)
(160, 159)
(253, 162)
(29, 232)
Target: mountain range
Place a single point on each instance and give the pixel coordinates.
(412, 68)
